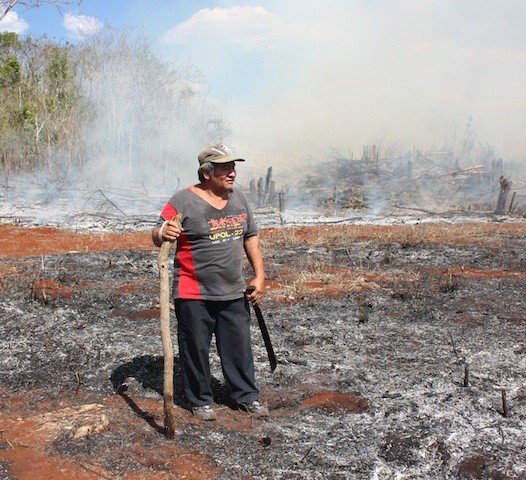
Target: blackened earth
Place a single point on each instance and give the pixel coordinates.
(399, 350)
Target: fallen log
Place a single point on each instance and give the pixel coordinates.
(164, 306)
(420, 210)
(469, 170)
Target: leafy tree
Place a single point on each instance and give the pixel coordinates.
(10, 72)
(8, 40)
(110, 103)
(40, 97)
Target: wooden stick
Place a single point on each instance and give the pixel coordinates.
(164, 306)
(466, 375)
(104, 195)
(7, 440)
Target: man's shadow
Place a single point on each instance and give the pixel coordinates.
(148, 371)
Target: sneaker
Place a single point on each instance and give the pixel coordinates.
(256, 408)
(205, 412)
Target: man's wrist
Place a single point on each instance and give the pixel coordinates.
(160, 232)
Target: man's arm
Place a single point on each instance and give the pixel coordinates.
(255, 257)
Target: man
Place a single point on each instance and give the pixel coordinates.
(208, 288)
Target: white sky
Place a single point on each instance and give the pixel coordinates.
(13, 23)
(80, 26)
(302, 77)
(299, 78)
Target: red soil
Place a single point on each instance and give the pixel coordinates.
(18, 242)
(336, 402)
(129, 288)
(475, 234)
(147, 314)
(483, 274)
(27, 445)
(50, 289)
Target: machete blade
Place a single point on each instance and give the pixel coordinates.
(264, 333)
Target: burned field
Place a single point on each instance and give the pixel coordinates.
(395, 347)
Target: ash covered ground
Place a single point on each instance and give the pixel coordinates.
(372, 334)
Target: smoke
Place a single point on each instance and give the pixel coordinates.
(131, 140)
(147, 118)
(342, 74)
(303, 80)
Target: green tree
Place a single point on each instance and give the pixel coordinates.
(10, 72)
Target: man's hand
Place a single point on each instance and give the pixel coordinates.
(255, 290)
(255, 257)
(170, 233)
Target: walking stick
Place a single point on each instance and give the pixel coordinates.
(164, 307)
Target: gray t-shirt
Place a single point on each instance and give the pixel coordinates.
(209, 256)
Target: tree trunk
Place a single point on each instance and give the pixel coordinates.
(261, 192)
(505, 187)
(512, 208)
(268, 179)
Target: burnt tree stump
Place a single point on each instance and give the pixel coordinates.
(252, 187)
(268, 180)
(261, 191)
(505, 187)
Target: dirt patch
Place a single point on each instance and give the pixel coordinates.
(400, 339)
(483, 274)
(399, 448)
(469, 321)
(129, 288)
(50, 289)
(515, 319)
(336, 402)
(36, 241)
(46, 446)
(472, 467)
(479, 234)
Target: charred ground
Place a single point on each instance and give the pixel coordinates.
(373, 327)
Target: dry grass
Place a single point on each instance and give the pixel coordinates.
(312, 278)
(474, 234)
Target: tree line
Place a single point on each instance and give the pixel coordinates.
(110, 103)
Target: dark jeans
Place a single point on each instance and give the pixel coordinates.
(230, 321)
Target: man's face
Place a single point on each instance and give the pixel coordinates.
(224, 175)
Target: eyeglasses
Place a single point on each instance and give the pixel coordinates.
(224, 169)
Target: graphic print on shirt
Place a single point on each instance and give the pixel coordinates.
(225, 229)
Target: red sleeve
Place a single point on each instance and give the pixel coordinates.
(169, 212)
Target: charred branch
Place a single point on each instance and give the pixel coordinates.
(466, 376)
(505, 411)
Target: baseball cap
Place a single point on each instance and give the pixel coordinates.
(218, 153)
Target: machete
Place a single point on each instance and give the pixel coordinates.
(264, 332)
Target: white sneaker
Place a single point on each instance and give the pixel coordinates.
(205, 412)
(256, 408)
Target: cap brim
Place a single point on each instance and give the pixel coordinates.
(226, 159)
